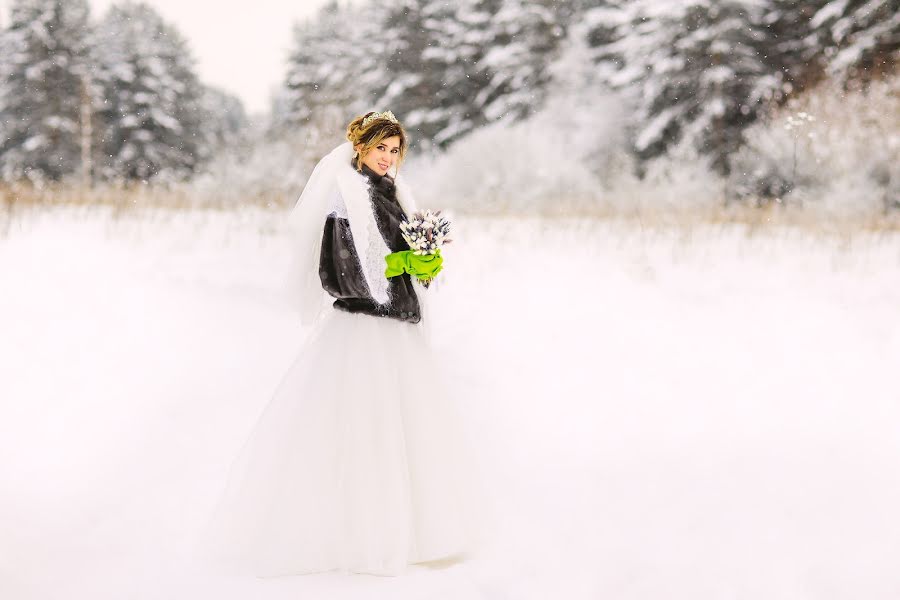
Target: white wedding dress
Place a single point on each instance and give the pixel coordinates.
(359, 462)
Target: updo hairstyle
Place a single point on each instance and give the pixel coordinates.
(372, 134)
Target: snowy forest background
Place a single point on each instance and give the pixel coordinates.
(669, 314)
(546, 106)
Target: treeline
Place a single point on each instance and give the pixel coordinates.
(696, 71)
(119, 98)
(112, 100)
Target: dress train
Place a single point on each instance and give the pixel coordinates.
(359, 462)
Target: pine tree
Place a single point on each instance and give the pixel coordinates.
(524, 37)
(151, 118)
(793, 52)
(861, 37)
(847, 39)
(44, 79)
(459, 66)
(333, 65)
(416, 82)
(456, 39)
(603, 22)
(7, 50)
(697, 72)
(443, 68)
(404, 59)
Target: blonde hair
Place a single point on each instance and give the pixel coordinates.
(373, 134)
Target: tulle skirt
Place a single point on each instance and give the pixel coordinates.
(359, 463)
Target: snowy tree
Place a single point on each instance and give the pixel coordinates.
(847, 39)
(333, 66)
(524, 37)
(151, 117)
(696, 72)
(456, 40)
(793, 52)
(861, 37)
(416, 82)
(602, 24)
(224, 118)
(456, 67)
(277, 117)
(43, 90)
(580, 107)
(443, 68)
(7, 47)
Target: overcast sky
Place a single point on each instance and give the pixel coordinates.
(239, 46)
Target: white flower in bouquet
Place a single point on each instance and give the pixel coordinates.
(426, 232)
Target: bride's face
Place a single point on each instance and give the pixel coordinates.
(383, 156)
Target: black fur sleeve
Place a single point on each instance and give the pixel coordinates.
(342, 277)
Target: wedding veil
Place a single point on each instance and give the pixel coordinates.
(333, 183)
(303, 287)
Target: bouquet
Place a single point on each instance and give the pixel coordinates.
(425, 233)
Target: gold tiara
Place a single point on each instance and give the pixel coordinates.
(382, 115)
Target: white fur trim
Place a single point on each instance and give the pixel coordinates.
(367, 240)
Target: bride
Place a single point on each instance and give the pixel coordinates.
(359, 462)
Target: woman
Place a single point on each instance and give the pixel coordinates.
(358, 461)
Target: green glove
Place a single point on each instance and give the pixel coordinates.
(423, 266)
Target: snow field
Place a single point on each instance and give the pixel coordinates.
(688, 412)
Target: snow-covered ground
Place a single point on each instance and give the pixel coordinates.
(686, 413)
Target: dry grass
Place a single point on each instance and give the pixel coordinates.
(756, 219)
(136, 201)
(123, 198)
